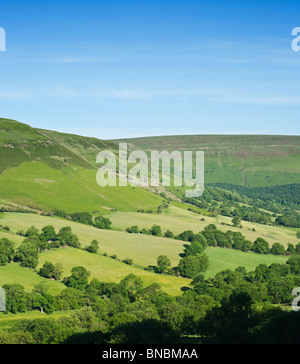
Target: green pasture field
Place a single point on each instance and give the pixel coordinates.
(13, 273)
(143, 249)
(178, 220)
(106, 269)
(39, 186)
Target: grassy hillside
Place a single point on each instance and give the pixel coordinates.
(7, 321)
(143, 249)
(246, 160)
(109, 270)
(13, 273)
(20, 143)
(39, 186)
(179, 220)
(222, 259)
(45, 170)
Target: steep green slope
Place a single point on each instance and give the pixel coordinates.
(39, 186)
(20, 143)
(46, 170)
(246, 160)
(83, 147)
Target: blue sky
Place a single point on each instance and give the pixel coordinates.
(119, 68)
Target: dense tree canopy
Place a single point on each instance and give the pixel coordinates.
(7, 252)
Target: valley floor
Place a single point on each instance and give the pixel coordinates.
(143, 249)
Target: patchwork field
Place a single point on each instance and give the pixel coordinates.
(179, 220)
(142, 249)
(43, 170)
(107, 269)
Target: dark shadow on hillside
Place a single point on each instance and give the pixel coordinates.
(145, 332)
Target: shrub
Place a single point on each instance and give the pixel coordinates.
(49, 270)
(83, 218)
(155, 230)
(192, 266)
(27, 255)
(6, 251)
(93, 247)
(261, 246)
(128, 261)
(32, 231)
(291, 249)
(101, 222)
(163, 263)
(277, 249)
(133, 230)
(60, 213)
(169, 234)
(145, 231)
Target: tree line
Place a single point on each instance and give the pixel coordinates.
(251, 204)
(235, 306)
(212, 236)
(35, 242)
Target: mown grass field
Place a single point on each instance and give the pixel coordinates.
(179, 220)
(144, 250)
(13, 273)
(222, 259)
(107, 269)
(12, 237)
(7, 321)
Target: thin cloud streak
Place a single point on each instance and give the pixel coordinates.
(184, 95)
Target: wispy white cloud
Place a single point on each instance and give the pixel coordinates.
(271, 100)
(183, 95)
(79, 60)
(274, 100)
(11, 96)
